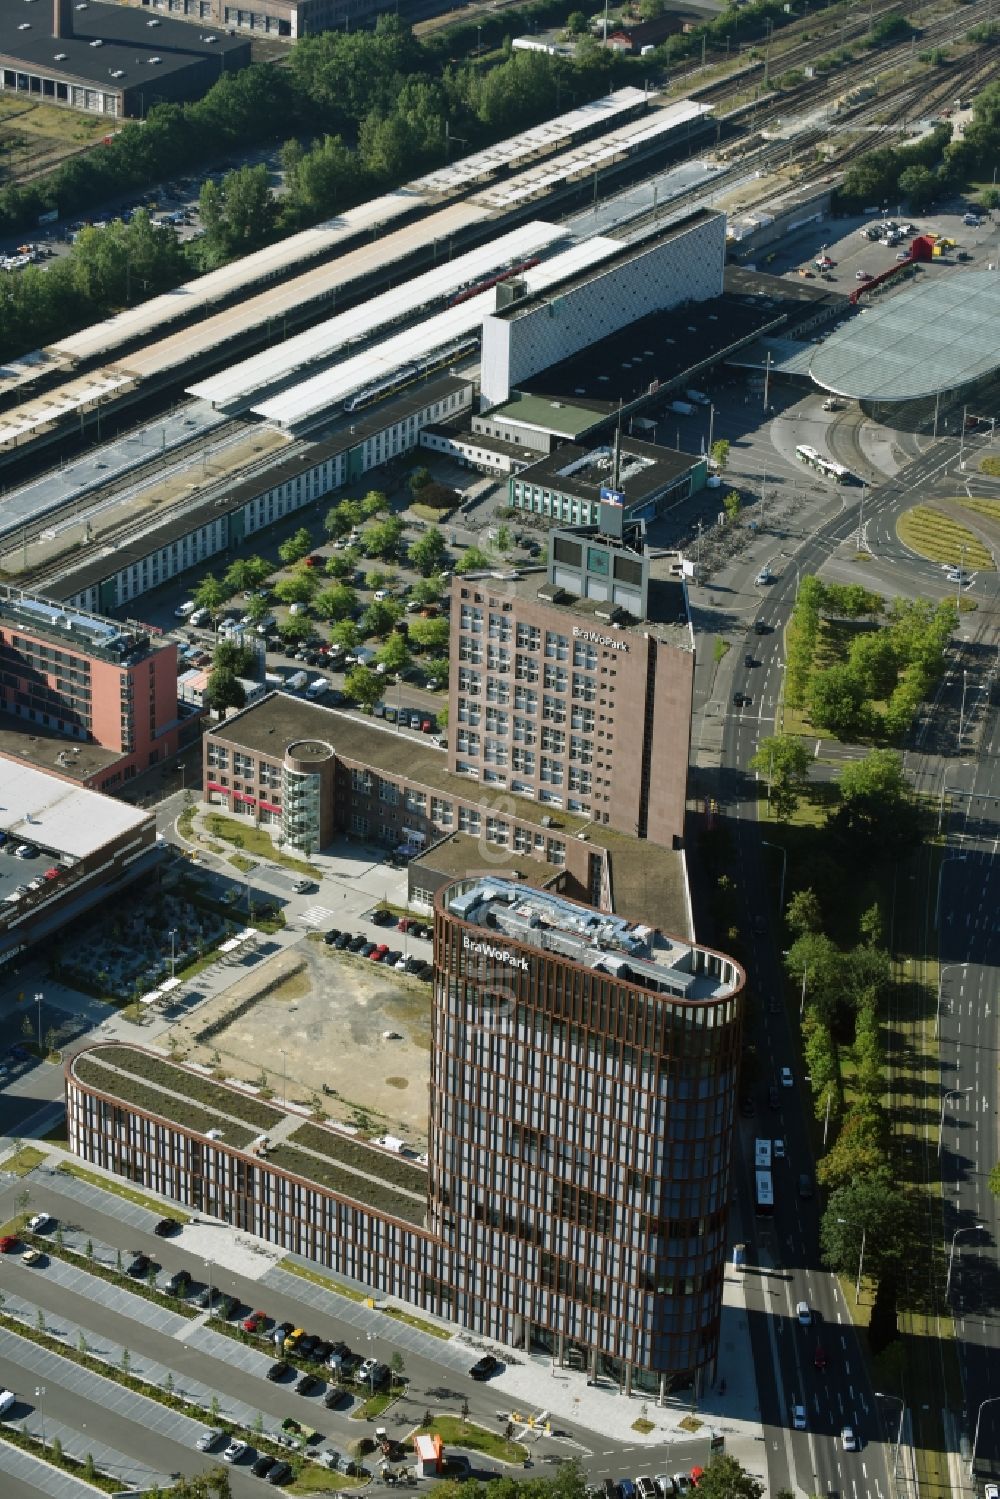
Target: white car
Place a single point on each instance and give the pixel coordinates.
(787, 1081)
(778, 1149)
(40, 1222)
(664, 1484)
(803, 1313)
(991, 1491)
(849, 1440)
(799, 1417)
(234, 1451)
(31, 1257)
(682, 1483)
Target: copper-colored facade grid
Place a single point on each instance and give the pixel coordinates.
(579, 1163)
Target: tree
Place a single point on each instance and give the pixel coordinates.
(336, 603)
(784, 762)
(345, 633)
(363, 686)
(993, 1180)
(720, 453)
(803, 913)
(576, 23)
(342, 518)
(836, 700)
(819, 959)
(382, 539)
(877, 818)
(505, 541)
(246, 573)
(258, 609)
(428, 590)
(919, 185)
(427, 554)
(380, 617)
(725, 1478)
(394, 655)
(210, 594)
(298, 589)
(126, 1361)
(473, 559)
(874, 663)
(241, 660)
(296, 547)
(871, 926)
(884, 1211)
(224, 690)
(89, 1470)
(373, 504)
(397, 1366)
(295, 629)
(731, 504)
(419, 479)
(430, 634)
(56, 1451)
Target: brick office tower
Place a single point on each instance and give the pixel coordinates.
(66, 673)
(583, 1079)
(574, 686)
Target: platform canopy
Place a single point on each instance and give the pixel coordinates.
(943, 332)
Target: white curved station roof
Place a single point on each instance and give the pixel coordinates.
(243, 380)
(940, 333)
(326, 391)
(206, 290)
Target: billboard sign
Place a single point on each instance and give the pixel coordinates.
(612, 496)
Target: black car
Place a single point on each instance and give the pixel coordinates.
(280, 1473)
(306, 1346)
(425, 971)
(285, 1327)
(139, 1266)
(366, 950)
(748, 660)
(357, 943)
(343, 1353)
(229, 1307)
(178, 1283)
(322, 1351)
(307, 1384)
(331, 936)
(773, 1098)
(278, 1371)
(208, 1297)
(344, 940)
(166, 1227)
(413, 964)
(738, 700)
(391, 958)
(336, 1397)
(487, 1366)
(262, 1467)
(382, 918)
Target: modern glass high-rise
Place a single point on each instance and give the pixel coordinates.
(583, 1084)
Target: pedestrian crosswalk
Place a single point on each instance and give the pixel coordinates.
(317, 916)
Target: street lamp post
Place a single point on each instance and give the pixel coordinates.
(40, 1395)
(879, 1395)
(991, 1400)
(961, 714)
(970, 1228)
(861, 1258)
(951, 1093)
(944, 970)
(38, 1001)
(784, 865)
(173, 950)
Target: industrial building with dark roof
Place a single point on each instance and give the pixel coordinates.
(109, 59)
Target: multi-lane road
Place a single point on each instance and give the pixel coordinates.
(786, 1250)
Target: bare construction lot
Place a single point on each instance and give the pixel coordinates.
(312, 1021)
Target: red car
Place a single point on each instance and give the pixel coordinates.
(379, 952)
(9, 1243)
(820, 1359)
(426, 726)
(51, 874)
(316, 560)
(255, 1322)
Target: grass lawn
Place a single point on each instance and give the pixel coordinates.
(368, 1409)
(130, 1194)
(323, 1280)
(313, 1480)
(26, 1159)
(454, 1432)
(411, 1320)
(990, 466)
(253, 841)
(939, 538)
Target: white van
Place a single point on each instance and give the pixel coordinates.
(199, 617)
(7, 1400)
(184, 611)
(318, 687)
(297, 681)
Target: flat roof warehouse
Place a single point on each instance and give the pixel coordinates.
(46, 812)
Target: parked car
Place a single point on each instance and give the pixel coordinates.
(357, 943)
(382, 917)
(279, 1370)
(208, 1297)
(331, 936)
(366, 950)
(486, 1366)
(166, 1227)
(344, 940)
(32, 1257)
(139, 1266)
(178, 1283)
(799, 1417)
(336, 1397)
(9, 1243)
(849, 1440)
(41, 1223)
(280, 1473)
(263, 1465)
(210, 1439)
(256, 1322)
(235, 1451)
(787, 1081)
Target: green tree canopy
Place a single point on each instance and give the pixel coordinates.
(239, 659)
(427, 554)
(338, 602)
(363, 686)
(296, 547)
(725, 1478)
(430, 634)
(383, 537)
(210, 594)
(884, 1211)
(297, 589)
(380, 617)
(224, 690)
(803, 913)
(859, 1151)
(783, 761)
(394, 655)
(246, 573)
(343, 518)
(473, 559)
